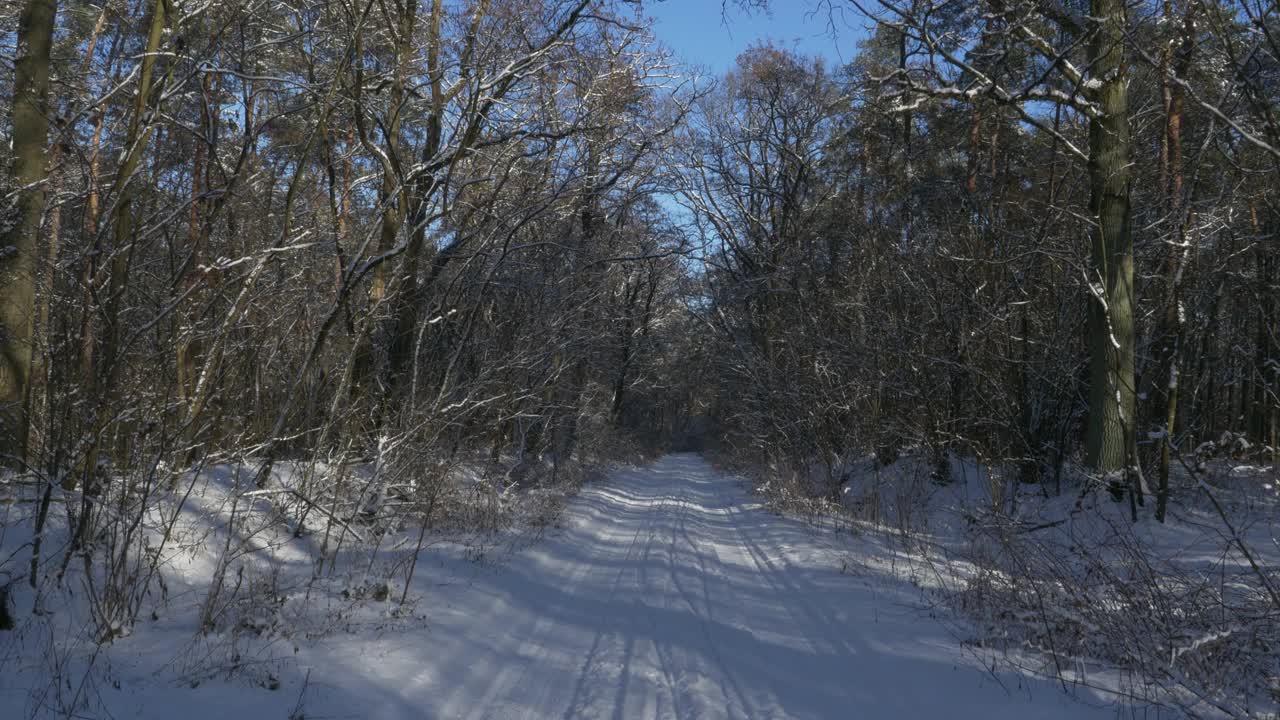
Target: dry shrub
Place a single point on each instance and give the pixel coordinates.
(1088, 596)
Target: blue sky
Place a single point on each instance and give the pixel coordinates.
(701, 34)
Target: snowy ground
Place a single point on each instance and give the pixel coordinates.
(668, 593)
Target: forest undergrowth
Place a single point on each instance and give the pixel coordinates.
(1176, 619)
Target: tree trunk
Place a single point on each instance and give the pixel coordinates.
(1179, 250)
(1111, 442)
(18, 261)
(188, 344)
(135, 142)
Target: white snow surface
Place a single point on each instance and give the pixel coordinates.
(669, 592)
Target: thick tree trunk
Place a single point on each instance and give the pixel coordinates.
(1111, 441)
(30, 123)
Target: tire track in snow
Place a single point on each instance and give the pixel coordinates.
(671, 594)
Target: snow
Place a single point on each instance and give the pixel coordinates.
(671, 594)
(668, 592)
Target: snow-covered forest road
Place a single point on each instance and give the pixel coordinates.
(672, 594)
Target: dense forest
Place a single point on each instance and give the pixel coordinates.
(406, 234)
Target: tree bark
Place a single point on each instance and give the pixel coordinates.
(1110, 442)
(30, 123)
(1179, 250)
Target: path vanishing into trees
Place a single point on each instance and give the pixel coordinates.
(670, 593)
